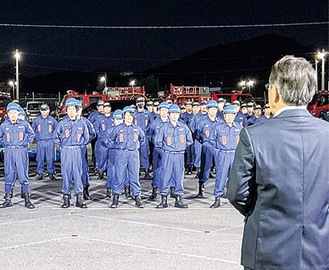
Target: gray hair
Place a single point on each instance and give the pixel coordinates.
(295, 79)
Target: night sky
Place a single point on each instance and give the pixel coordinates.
(47, 50)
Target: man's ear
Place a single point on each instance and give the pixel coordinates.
(277, 95)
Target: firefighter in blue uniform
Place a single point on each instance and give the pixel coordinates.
(143, 119)
(71, 134)
(186, 117)
(127, 138)
(256, 115)
(92, 118)
(44, 126)
(266, 116)
(104, 121)
(226, 138)
(173, 138)
(203, 134)
(84, 156)
(109, 144)
(196, 119)
(239, 116)
(154, 128)
(16, 136)
(220, 103)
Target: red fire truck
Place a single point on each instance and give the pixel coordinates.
(181, 94)
(112, 93)
(4, 100)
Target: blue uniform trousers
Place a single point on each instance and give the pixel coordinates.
(207, 155)
(71, 168)
(172, 172)
(45, 150)
(85, 175)
(16, 163)
(189, 155)
(157, 168)
(101, 154)
(111, 168)
(197, 154)
(144, 152)
(223, 161)
(126, 166)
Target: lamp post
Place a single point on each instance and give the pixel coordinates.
(316, 70)
(12, 84)
(103, 79)
(17, 57)
(250, 84)
(322, 55)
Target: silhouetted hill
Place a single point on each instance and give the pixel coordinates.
(226, 64)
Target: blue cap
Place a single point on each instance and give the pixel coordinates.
(100, 103)
(79, 103)
(229, 109)
(13, 106)
(220, 100)
(236, 102)
(164, 105)
(174, 109)
(44, 107)
(211, 104)
(71, 102)
(117, 114)
(203, 102)
(128, 109)
(140, 99)
(21, 111)
(169, 101)
(107, 104)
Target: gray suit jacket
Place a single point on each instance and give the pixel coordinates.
(280, 182)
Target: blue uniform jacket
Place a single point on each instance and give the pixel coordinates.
(154, 128)
(91, 129)
(203, 133)
(142, 119)
(18, 134)
(173, 139)
(127, 137)
(226, 138)
(102, 124)
(44, 127)
(71, 133)
(196, 118)
(93, 116)
(186, 118)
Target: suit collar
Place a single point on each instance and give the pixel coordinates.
(293, 113)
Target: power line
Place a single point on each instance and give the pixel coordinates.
(160, 26)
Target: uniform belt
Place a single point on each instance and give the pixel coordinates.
(71, 147)
(44, 140)
(227, 151)
(15, 146)
(175, 152)
(127, 150)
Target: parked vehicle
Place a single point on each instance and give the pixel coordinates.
(319, 103)
(32, 109)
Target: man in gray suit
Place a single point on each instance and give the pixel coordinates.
(280, 177)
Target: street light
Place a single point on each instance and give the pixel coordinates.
(132, 83)
(17, 57)
(242, 84)
(322, 56)
(250, 83)
(103, 79)
(12, 84)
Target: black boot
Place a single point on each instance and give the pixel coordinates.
(216, 204)
(179, 202)
(127, 191)
(86, 195)
(100, 175)
(66, 199)
(154, 194)
(147, 174)
(108, 193)
(189, 170)
(115, 201)
(197, 173)
(79, 202)
(7, 202)
(28, 203)
(163, 203)
(138, 202)
(52, 177)
(201, 191)
(172, 192)
(39, 176)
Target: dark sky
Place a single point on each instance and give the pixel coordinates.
(52, 49)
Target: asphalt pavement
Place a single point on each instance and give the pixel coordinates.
(49, 237)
